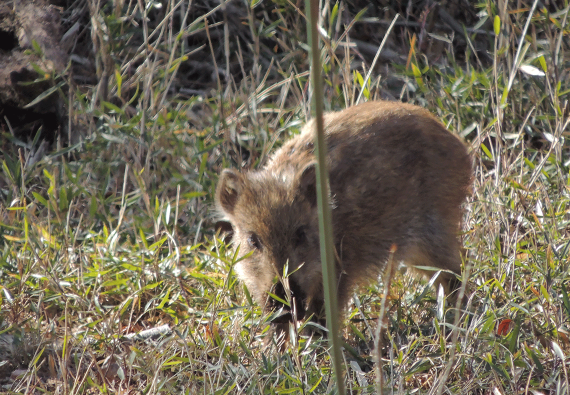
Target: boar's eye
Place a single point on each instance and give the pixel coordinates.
(254, 242)
(300, 236)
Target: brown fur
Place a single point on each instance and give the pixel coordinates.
(397, 176)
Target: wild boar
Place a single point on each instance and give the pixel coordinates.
(397, 177)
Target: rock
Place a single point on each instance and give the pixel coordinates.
(30, 34)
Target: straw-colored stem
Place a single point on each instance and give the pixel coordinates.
(325, 215)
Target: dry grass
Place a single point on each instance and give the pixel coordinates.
(115, 234)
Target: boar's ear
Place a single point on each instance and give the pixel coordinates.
(229, 188)
(308, 183)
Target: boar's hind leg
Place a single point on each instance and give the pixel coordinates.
(278, 333)
(444, 256)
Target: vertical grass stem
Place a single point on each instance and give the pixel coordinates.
(325, 215)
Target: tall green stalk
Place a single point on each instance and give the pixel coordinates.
(325, 215)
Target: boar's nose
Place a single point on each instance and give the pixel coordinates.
(297, 302)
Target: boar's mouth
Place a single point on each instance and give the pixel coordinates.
(297, 303)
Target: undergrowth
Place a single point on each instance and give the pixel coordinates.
(113, 232)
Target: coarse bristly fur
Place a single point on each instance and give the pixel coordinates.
(397, 177)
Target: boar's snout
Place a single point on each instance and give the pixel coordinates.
(297, 302)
